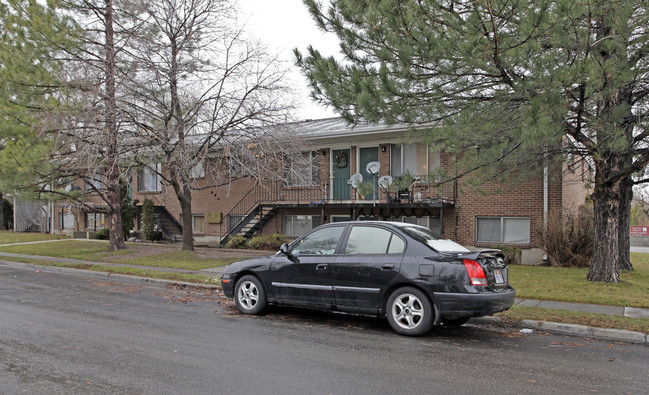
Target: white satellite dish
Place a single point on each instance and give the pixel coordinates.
(373, 167)
(385, 181)
(356, 179)
(68, 188)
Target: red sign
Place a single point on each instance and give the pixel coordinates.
(640, 231)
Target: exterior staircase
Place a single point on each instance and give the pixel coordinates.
(253, 222)
(171, 229)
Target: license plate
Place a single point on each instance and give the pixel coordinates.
(498, 274)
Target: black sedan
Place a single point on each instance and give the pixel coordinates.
(403, 271)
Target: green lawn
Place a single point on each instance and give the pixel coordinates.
(97, 251)
(570, 285)
(75, 249)
(18, 237)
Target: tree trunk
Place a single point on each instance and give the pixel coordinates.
(2, 213)
(186, 207)
(626, 199)
(112, 166)
(607, 224)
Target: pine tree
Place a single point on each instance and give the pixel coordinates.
(523, 82)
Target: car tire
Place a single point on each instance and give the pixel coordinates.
(456, 322)
(250, 295)
(410, 312)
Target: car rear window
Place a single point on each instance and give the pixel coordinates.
(433, 240)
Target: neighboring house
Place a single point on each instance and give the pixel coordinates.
(315, 189)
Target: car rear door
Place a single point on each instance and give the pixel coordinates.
(369, 261)
(304, 278)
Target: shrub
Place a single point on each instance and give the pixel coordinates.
(267, 242)
(236, 242)
(568, 238)
(513, 255)
(102, 234)
(149, 220)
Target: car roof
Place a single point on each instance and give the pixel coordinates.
(389, 223)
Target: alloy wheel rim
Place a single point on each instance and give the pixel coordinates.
(248, 295)
(407, 311)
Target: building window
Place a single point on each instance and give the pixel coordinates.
(297, 225)
(148, 178)
(510, 230)
(301, 170)
(95, 182)
(415, 159)
(198, 171)
(198, 223)
(95, 221)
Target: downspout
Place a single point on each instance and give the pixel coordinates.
(545, 197)
(545, 205)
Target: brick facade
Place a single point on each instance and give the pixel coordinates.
(460, 205)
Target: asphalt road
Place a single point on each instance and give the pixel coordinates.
(62, 333)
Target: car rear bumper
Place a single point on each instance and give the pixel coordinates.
(456, 305)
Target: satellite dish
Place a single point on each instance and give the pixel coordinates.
(373, 167)
(356, 179)
(68, 188)
(385, 182)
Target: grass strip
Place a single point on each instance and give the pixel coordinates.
(7, 237)
(179, 260)
(516, 314)
(190, 278)
(97, 252)
(570, 284)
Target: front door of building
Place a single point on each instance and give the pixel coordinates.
(367, 155)
(340, 174)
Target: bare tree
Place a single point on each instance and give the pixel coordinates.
(88, 127)
(201, 85)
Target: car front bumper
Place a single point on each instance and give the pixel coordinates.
(456, 305)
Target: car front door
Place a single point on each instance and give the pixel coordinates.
(304, 277)
(369, 262)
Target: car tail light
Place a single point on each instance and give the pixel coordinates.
(475, 272)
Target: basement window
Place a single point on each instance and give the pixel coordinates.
(503, 230)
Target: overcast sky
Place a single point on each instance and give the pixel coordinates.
(283, 25)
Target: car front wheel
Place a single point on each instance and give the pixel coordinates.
(250, 296)
(410, 312)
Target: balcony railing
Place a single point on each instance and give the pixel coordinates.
(277, 192)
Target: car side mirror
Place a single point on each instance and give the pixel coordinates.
(284, 249)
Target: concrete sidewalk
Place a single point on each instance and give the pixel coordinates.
(577, 330)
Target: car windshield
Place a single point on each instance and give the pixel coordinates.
(433, 240)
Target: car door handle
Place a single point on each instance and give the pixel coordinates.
(387, 267)
(321, 267)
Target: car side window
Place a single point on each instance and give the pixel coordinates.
(373, 240)
(320, 242)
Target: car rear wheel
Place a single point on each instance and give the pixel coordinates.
(250, 296)
(410, 312)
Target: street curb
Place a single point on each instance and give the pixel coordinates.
(587, 331)
(104, 275)
(573, 330)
